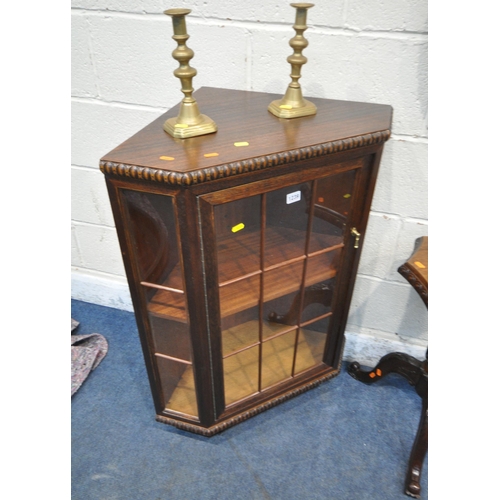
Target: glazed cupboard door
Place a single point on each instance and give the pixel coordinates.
(152, 243)
(274, 250)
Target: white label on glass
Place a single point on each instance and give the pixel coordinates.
(292, 197)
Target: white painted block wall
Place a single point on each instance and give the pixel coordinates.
(370, 51)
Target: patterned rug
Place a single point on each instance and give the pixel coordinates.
(87, 351)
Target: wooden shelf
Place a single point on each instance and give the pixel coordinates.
(240, 254)
(169, 301)
(244, 294)
(238, 257)
(168, 305)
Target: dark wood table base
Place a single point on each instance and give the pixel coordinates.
(416, 372)
(416, 271)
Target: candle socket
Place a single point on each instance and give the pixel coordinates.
(189, 122)
(293, 105)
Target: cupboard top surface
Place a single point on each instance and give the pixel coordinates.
(242, 116)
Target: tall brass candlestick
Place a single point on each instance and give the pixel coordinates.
(190, 122)
(293, 105)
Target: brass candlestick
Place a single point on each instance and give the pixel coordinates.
(190, 122)
(293, 105)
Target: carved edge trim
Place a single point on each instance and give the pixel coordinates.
(243, 166)
(215, 429)
(415, 282)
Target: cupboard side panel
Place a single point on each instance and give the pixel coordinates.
(133, 278)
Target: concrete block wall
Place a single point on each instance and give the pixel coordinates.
(371, 51)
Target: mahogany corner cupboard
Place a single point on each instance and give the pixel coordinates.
(241, 249)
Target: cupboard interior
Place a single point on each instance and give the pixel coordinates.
(278, 254)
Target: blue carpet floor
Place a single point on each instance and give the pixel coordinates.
(342, 440)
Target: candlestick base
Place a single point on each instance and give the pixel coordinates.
(282, 109)
(182, 130)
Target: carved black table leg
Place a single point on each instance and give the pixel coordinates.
(416, 372)
(416, 272)
(395, 362)
(418, 452)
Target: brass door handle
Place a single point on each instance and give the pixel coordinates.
(355, 232)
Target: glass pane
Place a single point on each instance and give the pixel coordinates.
(177, 383)
(239, 296)
(241, 375)
(320, 279)
(277, 358)
(286, 223)
(166, 304)
(331, 208)
(311, 346)
(281, 314)
(282, 280)
(322, 266)
(170, 338)
(237, 228)
(317, 300)
(282, 298)
(240, 330)
(152, 229)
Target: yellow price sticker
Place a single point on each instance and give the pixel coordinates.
(167, 158)
(347, 195)
(239, 144)
(238, 227)
(209, 155)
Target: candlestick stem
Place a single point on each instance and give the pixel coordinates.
(293, 104)
(189, 122)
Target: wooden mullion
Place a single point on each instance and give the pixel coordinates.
(263, 222)
(304, 272)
